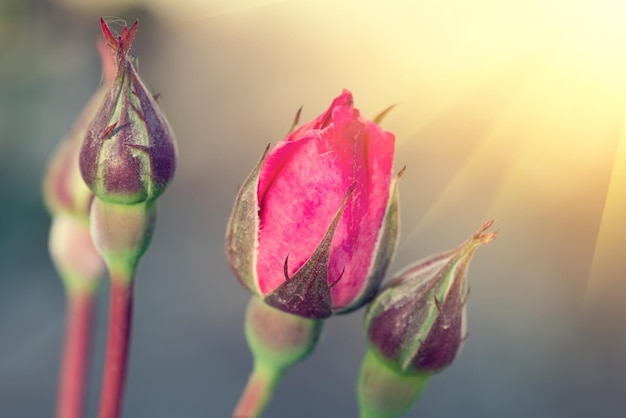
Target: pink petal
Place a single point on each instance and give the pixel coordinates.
(301, 187)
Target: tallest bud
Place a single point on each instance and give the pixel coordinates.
(128, 154)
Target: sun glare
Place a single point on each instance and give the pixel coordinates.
(559, 129)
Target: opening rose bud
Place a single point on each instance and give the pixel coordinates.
(128, 154)
(416, 327)
(315, 224)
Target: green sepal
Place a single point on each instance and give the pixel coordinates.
(242, 233)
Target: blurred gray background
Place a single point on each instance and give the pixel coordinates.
(507, 110)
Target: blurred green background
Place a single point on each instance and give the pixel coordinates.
(508, 110)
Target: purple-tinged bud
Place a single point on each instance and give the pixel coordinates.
(417, 322)
(64, 189)
(129, 153)
(415, 328)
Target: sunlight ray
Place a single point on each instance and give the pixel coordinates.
(607, 273)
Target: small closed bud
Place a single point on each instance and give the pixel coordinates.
(128, 154)
(415, 328)
(418, 320)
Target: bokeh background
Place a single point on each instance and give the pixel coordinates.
(512, 110)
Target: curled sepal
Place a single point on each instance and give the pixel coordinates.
(384, 250)
(382, 115)
(417, 322)
(308, 292)
(120, 44)
(243, 230)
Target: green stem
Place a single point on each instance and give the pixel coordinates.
(278, 340)
(118, 347)
(258, 391)
(385, 392)
(121, 233)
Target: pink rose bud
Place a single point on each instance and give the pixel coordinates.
(128, 154)
(64, 189)
(315, 224)
(417, 322)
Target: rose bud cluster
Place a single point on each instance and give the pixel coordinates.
(128, 154)
(415, 328)
(315, 224)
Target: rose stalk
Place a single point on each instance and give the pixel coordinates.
(77, 262)
(127, 159)
(415, 328)
(312, 233)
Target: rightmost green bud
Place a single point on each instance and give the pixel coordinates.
(415, 328)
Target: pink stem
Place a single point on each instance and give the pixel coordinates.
(118, 345)
(257, 393)
(76, 350)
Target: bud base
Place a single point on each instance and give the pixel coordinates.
(384, 391)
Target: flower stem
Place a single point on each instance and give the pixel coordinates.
(258, 391)
(76, 348)
(118, 344)
(385, 392)
(278, 340)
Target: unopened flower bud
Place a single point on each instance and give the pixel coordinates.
(128, 154)
(415, 328)
(418, 320)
